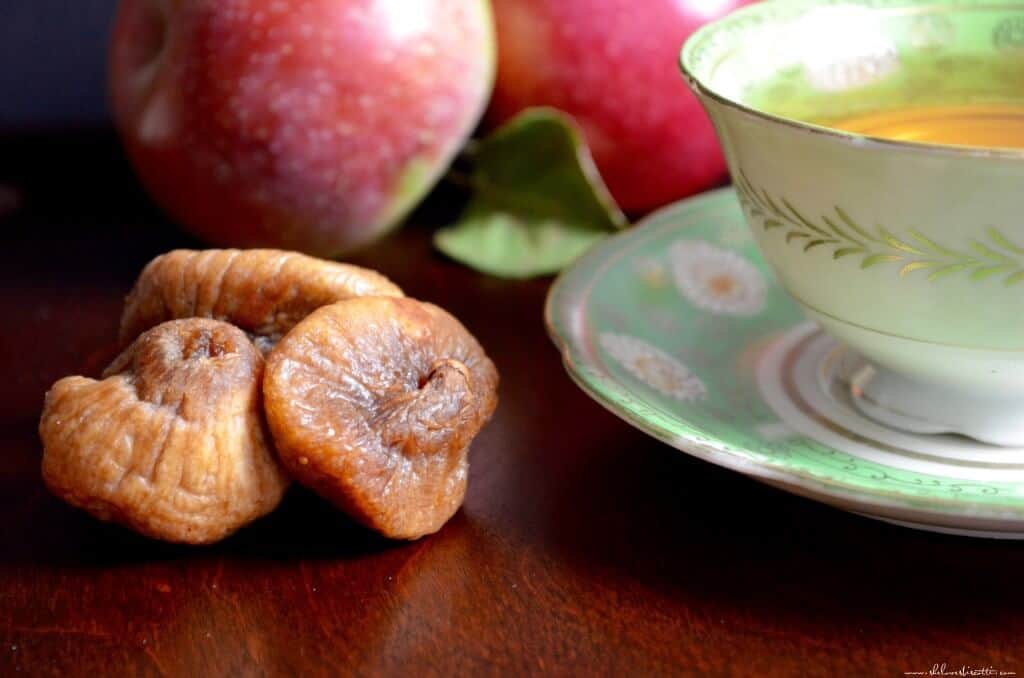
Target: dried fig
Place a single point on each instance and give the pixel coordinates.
(373, 403)
(172, 441)
(264, 292)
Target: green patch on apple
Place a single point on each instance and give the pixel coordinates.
(538, 199)
(415, 181)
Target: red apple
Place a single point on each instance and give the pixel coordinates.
(305, 124)
(612, 64)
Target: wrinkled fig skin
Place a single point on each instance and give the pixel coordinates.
(172, 442)
(373, 402)
(264, 292)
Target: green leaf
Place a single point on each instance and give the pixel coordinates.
(769, 224)
(934, 246)
(946, 270)
(989, 253)
(744, 183)
(983, 273)
(747, 191)
(772, 205)
(876, 259)
(895, 243)
(917, 266)
(815, 243)
(840, 232)
(803, 220)
(506, 246)
(1001, 240)
(538, 200)
(844, 251)
(853, 225)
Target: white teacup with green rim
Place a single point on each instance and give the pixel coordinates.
(910, 253)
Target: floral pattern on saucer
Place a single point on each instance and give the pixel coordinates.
(716, 279)
(654, 367)
(667, 325)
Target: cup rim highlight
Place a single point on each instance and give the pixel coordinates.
(788, 8)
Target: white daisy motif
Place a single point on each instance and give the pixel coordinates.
(654, 367)
(716, 279)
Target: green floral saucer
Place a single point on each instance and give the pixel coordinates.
(678, 327)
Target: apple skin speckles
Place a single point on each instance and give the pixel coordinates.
(294, 123)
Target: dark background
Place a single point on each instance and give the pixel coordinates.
(52, 63)
(584, 548)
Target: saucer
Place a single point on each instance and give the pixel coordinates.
(678, 327)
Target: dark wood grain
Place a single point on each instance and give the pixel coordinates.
(583, 548)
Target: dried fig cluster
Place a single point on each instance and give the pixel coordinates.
(264, 292)
(368, 397)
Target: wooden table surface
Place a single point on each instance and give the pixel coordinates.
(583, 548)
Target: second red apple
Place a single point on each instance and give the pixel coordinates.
(612, 64)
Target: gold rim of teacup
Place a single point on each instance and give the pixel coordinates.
(862, 140)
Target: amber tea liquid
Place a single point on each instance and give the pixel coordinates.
(982, 126)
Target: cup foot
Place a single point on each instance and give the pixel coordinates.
(907, 404)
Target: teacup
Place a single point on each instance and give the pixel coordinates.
(912, 254)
